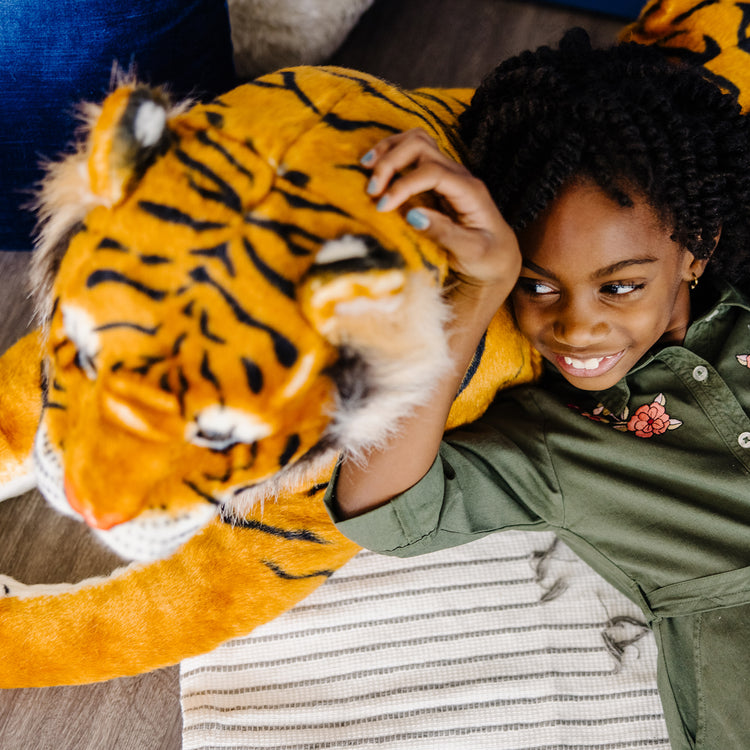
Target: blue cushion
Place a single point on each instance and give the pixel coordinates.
(621, 8)
(54, 55)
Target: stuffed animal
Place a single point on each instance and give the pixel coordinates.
(713, 34)
(223, 312)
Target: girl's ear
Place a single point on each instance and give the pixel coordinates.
(694, 267)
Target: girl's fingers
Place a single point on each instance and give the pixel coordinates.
(394, 154)
(462, 244)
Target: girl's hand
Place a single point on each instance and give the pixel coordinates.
(483, 250)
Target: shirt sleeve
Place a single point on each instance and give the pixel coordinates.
(479, 483)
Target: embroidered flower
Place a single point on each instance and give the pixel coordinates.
(648, 420)
(652, 419)
(743, 359)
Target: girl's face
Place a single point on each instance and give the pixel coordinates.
(600, 285)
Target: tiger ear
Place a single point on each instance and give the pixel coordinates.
(123, 136)
(128, 134)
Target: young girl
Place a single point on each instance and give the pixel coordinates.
(622, 179)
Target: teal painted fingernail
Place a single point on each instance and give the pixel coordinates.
(417, 219)
(367, 158)
(372, 186)
(383, 203)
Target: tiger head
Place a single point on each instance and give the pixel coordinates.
(225, 309)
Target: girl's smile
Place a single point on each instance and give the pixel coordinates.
(601, 284)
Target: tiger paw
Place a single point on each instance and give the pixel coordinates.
(352, 279)
(388, 322)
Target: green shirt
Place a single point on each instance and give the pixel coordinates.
(647, 482)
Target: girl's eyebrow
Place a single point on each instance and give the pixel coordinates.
(601, 273)
(615, 267)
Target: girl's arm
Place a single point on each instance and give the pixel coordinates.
(484, 257)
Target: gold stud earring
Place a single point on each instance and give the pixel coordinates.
(694, 282)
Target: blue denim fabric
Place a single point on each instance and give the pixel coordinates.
(54, 55)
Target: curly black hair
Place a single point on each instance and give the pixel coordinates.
(632, 121)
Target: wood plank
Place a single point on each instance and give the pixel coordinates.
(410, 42)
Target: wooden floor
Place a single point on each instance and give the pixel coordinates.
(409, 42)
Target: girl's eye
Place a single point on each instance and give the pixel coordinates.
(618, 288)
(534, 287)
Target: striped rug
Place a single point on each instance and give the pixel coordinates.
(510, 642)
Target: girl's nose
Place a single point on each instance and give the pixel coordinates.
(577, 327)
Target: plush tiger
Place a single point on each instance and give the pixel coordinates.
(223, 313)
(712, 33)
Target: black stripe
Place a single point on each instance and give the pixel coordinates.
(369, 89)
(286, 231)
(297, 201)
(285, 351)
(172, 215)
(297, 178)
(154, 260)
(220, 252)
(254, 375)
(164, 383)
(448, 129)
(292, 446)
(290, 84)
(316, 488)
(292, 535)
(124, 324)
(198, 491)
(108, 275)
(178, 344)
(684, 16)
(183, 387)
(281, 573)
(346, 126)
(284, 285)
(148, 363)
(224, 194)
(437, 100)
(107, 243)
(204, 138)
(474, 365)
(364, 171)
(215, 118)
(208, 334)
(208, 374)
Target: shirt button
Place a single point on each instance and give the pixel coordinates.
(744, 439)
(700, 373)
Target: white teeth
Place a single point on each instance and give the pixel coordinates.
(584, 364)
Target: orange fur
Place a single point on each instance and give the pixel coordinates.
(141, 382)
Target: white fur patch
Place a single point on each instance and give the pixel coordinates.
(18, 485)
(301, 375)
(218, 427)
(344, 248)
(153, 535)
(150, 121)
(406, 354)
(10, 587)
(79, 328)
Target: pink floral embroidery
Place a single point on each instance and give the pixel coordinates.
(647, 420)
(743, 359)
(652, 419)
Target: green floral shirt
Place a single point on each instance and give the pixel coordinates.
(647, 481)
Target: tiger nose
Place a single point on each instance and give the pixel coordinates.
(100, 519)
